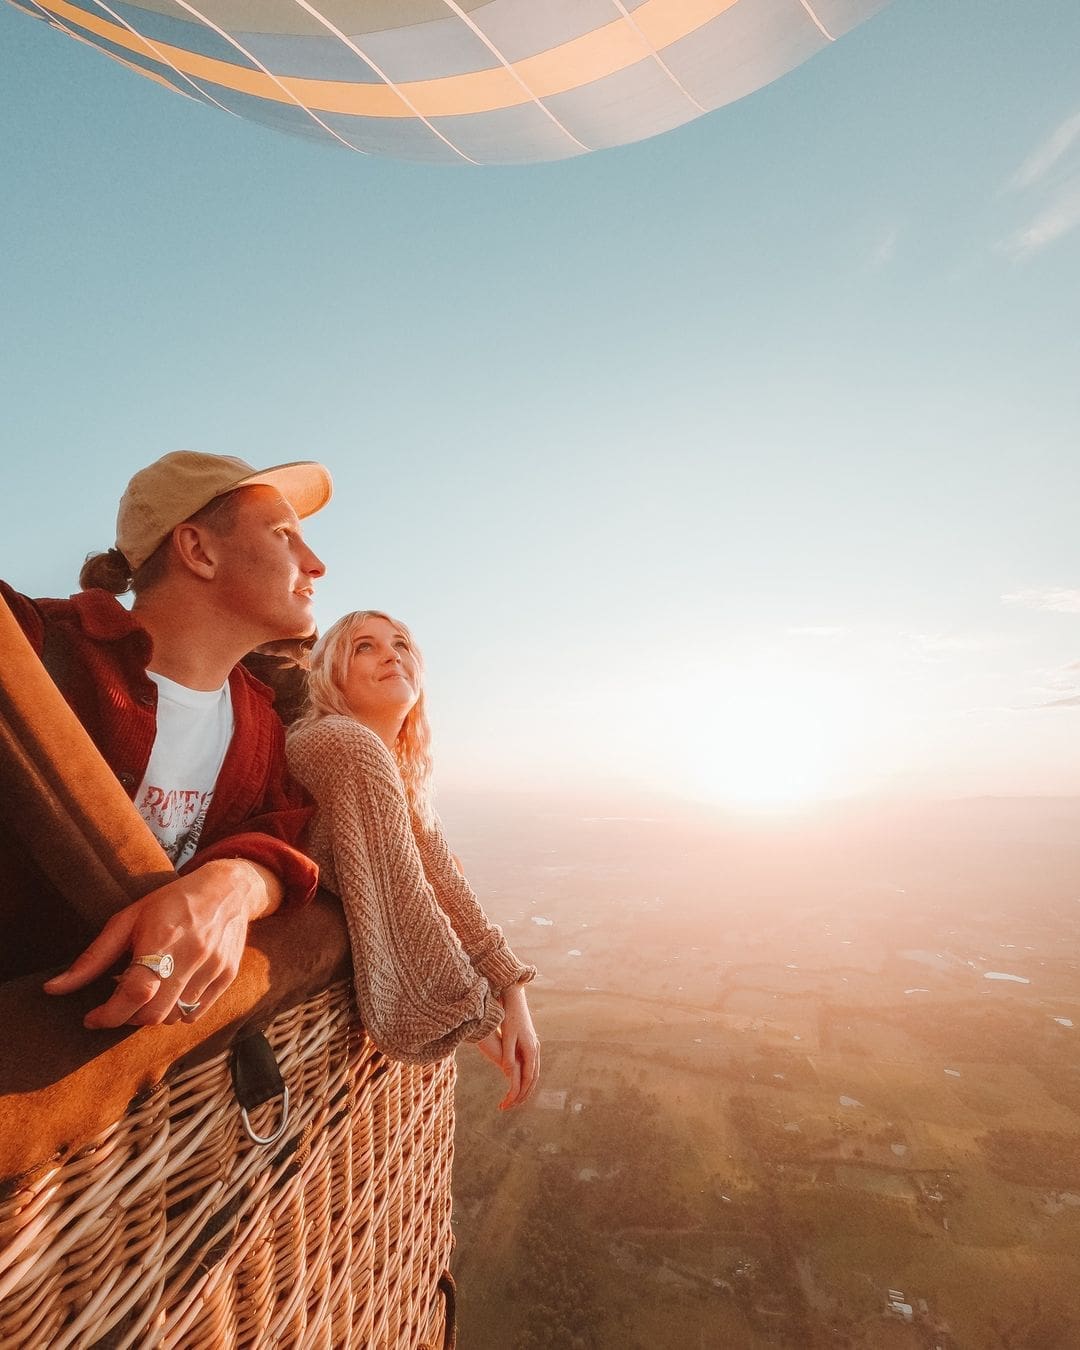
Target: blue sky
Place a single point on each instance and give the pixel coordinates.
(705, 463)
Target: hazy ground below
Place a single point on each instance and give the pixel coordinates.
(808, 1081)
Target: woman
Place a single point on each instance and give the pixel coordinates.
(430, 969)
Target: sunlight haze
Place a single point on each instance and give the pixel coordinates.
(728, 481)
(739, 464)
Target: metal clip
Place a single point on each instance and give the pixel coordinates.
(257, 1079)
(268, 1138)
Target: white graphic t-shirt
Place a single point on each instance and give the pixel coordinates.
(194, 727)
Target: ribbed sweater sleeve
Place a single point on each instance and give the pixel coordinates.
(483, 941)
(418, 993)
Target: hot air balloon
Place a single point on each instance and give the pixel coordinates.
(462, 81)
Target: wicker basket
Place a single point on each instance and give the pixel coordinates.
(172, 1228)
(136, 1209)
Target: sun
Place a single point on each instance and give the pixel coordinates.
(766, 740)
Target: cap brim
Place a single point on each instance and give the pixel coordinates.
(305, 485)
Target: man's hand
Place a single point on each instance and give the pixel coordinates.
(200, 920)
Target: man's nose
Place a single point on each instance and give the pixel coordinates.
(312, 564)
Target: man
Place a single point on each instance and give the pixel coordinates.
(214, 554)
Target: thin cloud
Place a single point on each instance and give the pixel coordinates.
(935, 646)
(1053, 169)
(1054, 222)
(821, 631)
(1045, 156)
(1011, 709)
(1061, 681)
(1059, 599)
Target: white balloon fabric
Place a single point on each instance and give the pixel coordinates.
(462, 81)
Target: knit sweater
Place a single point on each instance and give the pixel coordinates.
(428, 965)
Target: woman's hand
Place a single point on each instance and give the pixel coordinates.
(514, 1048)
(491, 1048)
(520, 1046)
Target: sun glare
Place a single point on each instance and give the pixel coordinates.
(763, 741)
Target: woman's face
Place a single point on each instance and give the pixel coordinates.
(382, 677)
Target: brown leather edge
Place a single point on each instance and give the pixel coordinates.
(449, 1293)
(54, 770)
(62, 1085)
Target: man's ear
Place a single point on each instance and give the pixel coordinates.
(195, 549)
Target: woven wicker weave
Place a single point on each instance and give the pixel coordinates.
(173, 1229)
(168, 1226)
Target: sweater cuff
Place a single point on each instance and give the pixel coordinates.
(491, 1021)
(501, 968)
(443, 1046)
(298, 874)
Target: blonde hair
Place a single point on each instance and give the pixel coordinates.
(329, 667)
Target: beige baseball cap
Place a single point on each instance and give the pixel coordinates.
(173, 488)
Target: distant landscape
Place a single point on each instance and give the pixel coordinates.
(808, 1081)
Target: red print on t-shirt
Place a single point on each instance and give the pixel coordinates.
(176, 816)
(175, 809)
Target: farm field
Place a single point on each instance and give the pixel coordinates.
(832, 1130)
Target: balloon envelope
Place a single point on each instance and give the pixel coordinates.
(462, 81)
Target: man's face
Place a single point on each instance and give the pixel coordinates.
(265, 572)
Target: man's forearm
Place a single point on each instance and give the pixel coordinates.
(262, 891)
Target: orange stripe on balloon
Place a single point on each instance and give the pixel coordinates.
(583, 60)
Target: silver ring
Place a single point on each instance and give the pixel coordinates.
(162, 964)
(186, 1009)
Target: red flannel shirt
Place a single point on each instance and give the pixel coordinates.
(98, 654)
